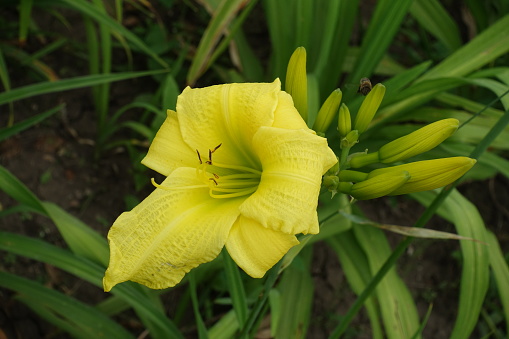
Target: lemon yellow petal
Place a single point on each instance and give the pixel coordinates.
(255, 248)
(286, 115)
(168, 150)
(293, 164)
(168, 234)
(229, 115)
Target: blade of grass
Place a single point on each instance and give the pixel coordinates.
(251, 66)
(257, 308)
(383, 26)
(103, 89)
(25, 11)
(484, 48)
(225, 327)
(222, 17)
(160, 326)
(280, 16)
(78, 236)
(82, 239)
(339, 22)
(6, 82)
(202, 330)
(475, 274)
(93, 12)
(235, 288)
(434, 18)
(296, 293)
(25, 124)
(397, 307)
(501, 272)
(18, 191)
(68, 84)
(84, 318)
(232, 32)
(25, 59)
(354, 264)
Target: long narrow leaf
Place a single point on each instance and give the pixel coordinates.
(501, 272)
(434, 18)
(354, 264)
(475, 273)
(296, 290)
(382, 28)
(397, 307)
(67, 84)
(236, 288)
(85, 318)
(221, 19)
(93, 12)
(25, 124)
(93, 273)
(484, 48)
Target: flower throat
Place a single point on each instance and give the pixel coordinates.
(239, 181)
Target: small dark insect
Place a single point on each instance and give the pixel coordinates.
(365, 86)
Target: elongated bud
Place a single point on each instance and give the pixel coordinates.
(418, 142)
(352, 176)
(364, 159)
(296, 81)
(378, 186)
(328, 111)
(410, 145)
(429, 174)
(344, 121)
(369, 107)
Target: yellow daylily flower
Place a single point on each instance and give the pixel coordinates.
(243, 171)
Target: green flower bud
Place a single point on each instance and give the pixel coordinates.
(353, 176)
(351, 139)
(296, 81)
(429, 174)
(328, 111)
(369, 107)
(344, 121)
(418, 142)
(379, 185)
(363, 159)
(331, 182)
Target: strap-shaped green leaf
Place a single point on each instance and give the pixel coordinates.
(82, 320)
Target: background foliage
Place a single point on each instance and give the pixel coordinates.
(437, 59)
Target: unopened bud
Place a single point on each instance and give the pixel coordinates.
(418, 142)
(379, 185)
(328, 111)
(296, 81)
(351, 139)
(344, 121)
(429, 174)
(369, 107)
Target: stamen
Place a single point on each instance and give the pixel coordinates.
(239, 168)
(238, 193)
(243, 181)
(166, 188)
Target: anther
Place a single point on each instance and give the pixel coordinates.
(199, 157)
(209, 162)
(214, 180)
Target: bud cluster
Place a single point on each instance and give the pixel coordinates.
(400, 179)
